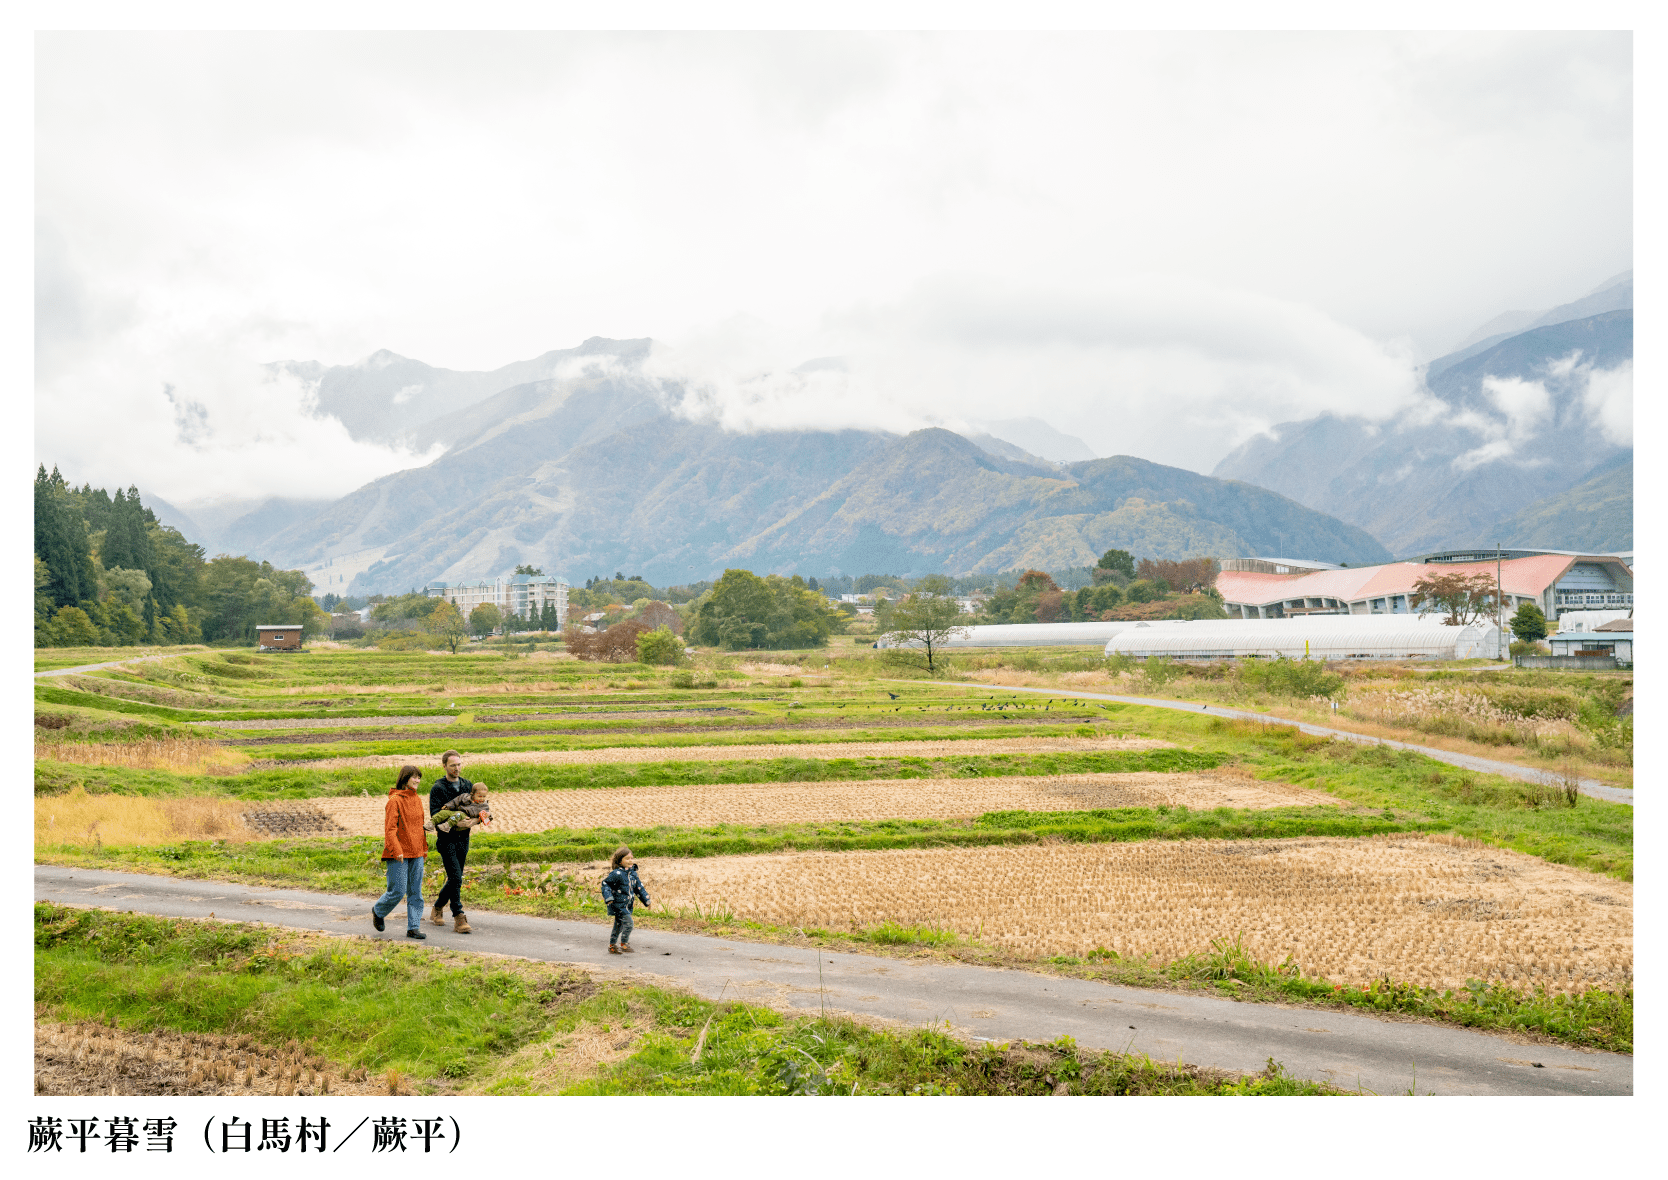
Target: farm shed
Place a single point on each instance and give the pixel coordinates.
(1614, 639)
(1318, 637)
(278, 636)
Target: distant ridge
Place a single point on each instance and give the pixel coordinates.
(589, 472)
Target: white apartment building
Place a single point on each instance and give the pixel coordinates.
(523, 595)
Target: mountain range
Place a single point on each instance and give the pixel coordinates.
(574, 462)
(589, 472)
(1513, 426)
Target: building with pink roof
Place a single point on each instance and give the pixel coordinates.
(1258, 588)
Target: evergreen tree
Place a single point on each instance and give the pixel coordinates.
(126, 543)
(61, 542)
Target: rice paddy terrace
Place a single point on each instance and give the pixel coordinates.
(810, 800)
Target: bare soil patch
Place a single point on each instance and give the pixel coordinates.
(1354, 910)
(770, 803)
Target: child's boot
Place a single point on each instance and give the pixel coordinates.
(612, 949)
(626, 949)
(460, 924)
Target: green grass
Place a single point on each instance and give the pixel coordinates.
(304, 783)
(1595, 834)
(376, 1005)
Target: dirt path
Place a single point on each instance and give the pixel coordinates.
(1344, 1048)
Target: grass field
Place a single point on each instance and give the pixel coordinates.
(137, 1005)
(227, 764)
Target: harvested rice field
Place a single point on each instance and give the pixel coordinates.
(783, 803)
(1408, 907)
(899, 749)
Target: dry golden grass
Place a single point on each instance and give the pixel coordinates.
(180, 755)
(569, 1057)
(95, 1059)
(1353, 910)
(908, 749)
(769, 669)
(782, 803)
(76, 817)
(1133, 684)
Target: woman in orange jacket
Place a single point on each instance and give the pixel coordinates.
(405, 846)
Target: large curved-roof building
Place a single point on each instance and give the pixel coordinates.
(1261, 588)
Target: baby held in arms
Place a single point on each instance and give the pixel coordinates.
(467, 810)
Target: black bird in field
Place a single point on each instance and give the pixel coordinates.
(893, 695)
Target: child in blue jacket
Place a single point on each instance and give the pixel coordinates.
(620, 889)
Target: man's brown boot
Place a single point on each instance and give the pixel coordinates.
(438, 917)
(460, 924)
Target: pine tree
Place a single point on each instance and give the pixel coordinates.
(61, 542)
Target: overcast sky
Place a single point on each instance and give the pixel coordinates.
(1161, 243)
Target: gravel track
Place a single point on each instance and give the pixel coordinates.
(784, 803)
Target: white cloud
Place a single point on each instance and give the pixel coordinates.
(1180, 238)
(1524, 403)
(1171, 370)
(1609, 398)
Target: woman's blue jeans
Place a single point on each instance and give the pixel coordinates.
(405, 879)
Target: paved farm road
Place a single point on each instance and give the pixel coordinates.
(1589, 786)
(1348, 1050)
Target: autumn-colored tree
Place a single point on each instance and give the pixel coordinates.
(657, 615)
(1186, 577)
(1051, 606)
(616, 645)
(1460, 597)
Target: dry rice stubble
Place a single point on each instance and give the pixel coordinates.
(1352, 910)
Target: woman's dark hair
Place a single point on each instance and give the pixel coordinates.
(407, 773)
(620, 854)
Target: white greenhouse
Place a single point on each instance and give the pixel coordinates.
(1039, 634)
(1316, 637)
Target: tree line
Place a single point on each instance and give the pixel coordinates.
(108, 573)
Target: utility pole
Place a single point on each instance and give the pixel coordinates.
(1500, 634)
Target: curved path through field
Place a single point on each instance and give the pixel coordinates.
(108, 664)
(1589, 786)
(1387, 1057)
